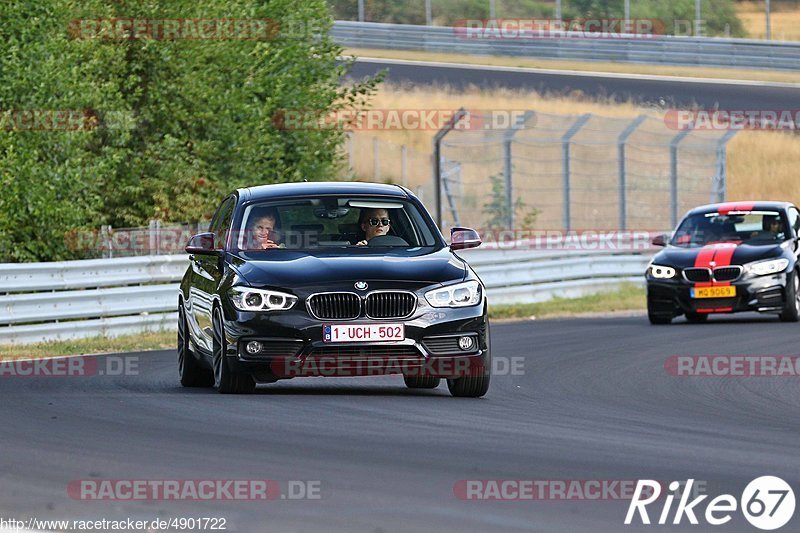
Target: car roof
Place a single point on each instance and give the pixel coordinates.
(752, 205)
(311, 188)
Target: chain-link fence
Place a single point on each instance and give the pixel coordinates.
(572, 172)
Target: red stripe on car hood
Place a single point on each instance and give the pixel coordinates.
(718, 254)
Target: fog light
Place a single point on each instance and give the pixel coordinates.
(253, 347)
(465, 343)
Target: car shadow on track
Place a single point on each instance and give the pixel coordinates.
(745, 318)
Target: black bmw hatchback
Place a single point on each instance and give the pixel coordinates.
(331, 279)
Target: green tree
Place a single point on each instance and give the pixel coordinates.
(179, 122)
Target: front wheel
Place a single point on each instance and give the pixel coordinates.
(225, 379)
(475, 384)
(189, 369)
(791, 308)
(655, 315)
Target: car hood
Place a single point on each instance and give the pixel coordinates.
(720, 253)
(290, 268)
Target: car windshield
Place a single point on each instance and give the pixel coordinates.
(751, 227)
(329, 222)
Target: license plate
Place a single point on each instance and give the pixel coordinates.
(713, 292)
(363, 332)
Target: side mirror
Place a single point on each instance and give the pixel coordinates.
(201, 244)
(659, 240)
(463, 238)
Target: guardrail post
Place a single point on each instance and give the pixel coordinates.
(673, 166)
(508, 139)
(565, 142)
(437, 161)
(720, 186)
(623, 185)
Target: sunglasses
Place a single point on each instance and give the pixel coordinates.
(379, 222)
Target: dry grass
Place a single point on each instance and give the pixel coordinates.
(589, 66)
(760, 164)
(785, 20)
(763, 164)
(160, 340)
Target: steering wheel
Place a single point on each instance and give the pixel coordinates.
(387, 240)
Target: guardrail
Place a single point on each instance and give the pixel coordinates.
(668, 50)
(109, 297)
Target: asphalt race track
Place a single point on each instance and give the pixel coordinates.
(593, 402)
(665, 92)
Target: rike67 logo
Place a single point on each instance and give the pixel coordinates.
(767, 503)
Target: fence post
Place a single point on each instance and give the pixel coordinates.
(350, 155)
(673, 165)
(153, 241)
(105, 231)
(565, 142)
(404, 165)
(376, 161)
(720, 186)
(623, 184)
(508, 139)
(437, 161)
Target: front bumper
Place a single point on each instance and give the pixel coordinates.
(766, 294)
(293, 345)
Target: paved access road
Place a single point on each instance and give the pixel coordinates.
(653, 90)
(594, 403)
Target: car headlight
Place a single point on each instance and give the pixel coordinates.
(765, 268)
(247, 299)
(458, 295)
(662, 272)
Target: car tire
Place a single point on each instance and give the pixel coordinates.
(225, 379)
(473, 385)
(791, 308)
(696, 318)
(191, 373)
(422, 382)
(657, 317)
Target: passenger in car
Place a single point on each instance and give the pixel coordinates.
(264, 228)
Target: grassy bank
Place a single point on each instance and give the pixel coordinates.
(127, 343)
(628, 298)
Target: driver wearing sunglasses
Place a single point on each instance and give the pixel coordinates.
(374, 223)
